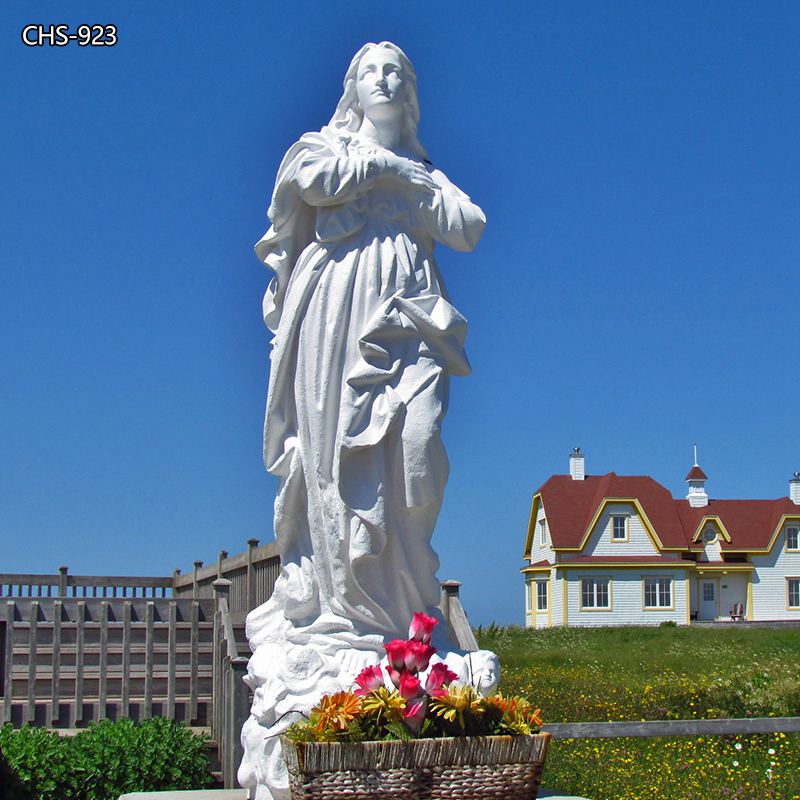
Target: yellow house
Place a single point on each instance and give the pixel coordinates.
(620, 550)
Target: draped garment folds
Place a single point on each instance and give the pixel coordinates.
(365, 342)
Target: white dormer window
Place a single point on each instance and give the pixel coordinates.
(619, 528)
(543, 532)
(793, 538)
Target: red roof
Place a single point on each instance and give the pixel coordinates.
(571, 505)
(750, 523)
(696, 474)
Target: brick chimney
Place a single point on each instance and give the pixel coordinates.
(576, 467)
(794, 489)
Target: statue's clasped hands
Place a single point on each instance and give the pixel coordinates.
(408, 171)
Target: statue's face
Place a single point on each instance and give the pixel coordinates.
(380, 84)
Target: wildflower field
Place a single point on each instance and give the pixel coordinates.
(609, 674)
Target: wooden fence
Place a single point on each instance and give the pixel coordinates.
(79, 648)
(76, 649)
(252, 577)
(65, 585)
(67, 661)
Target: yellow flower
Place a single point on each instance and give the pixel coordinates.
(382, 701)
(458, 701)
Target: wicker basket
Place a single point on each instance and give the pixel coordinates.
(469, 768)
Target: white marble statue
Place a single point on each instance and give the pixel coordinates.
(365, 343)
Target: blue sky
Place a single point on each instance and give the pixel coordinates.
(636, 289)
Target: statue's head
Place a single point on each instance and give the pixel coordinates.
(381, 84)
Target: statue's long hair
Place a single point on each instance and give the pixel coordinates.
(348, 115)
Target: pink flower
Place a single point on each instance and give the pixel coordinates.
(395, 675)
(422, 627)
(368, 680)
(414, 713)
(439, 677)
(396, 653)
(417, 656)
(409, 687)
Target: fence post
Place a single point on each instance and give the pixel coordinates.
(127, 617)
(55, 694)
(222, 591)
(222, 588)
(449, 589)
(62, 581)
(197, 565)
(30, 708)
(238, 712)
(150, 611)
(251, 576)
(171, 659)
(9, 661)
(102, 690)
(219, 700)
(79, 660)
(194, 661)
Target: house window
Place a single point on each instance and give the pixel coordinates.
(709, 536)
(794, 592)
(793, 538)
(708, 592)
(543, 532)
(658, 592)
(596, 593)
(528, 594)
(619, 528)
(541, 595)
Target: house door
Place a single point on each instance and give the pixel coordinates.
(709, 607)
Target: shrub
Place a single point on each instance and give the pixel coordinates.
(35, 760)
(104, 761)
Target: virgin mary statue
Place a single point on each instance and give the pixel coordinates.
(365, 342)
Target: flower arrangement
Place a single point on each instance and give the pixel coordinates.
(406, 708)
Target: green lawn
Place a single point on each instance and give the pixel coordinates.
(578, 674)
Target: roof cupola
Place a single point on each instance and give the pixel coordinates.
(696, 479)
